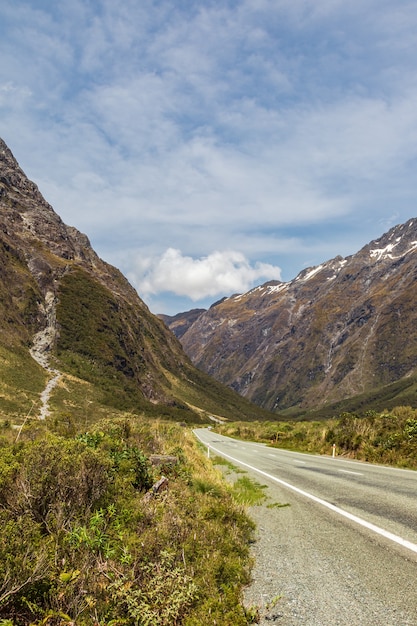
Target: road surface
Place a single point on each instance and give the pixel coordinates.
(344, 551)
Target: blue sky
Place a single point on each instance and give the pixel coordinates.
(207, 147)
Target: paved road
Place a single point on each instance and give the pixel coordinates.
(349, 538)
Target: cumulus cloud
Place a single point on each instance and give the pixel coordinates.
(218, 273)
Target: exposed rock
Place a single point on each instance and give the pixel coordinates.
(160, 485)
(78, 314)
(163, 459)
(49, 251)
(345, 327)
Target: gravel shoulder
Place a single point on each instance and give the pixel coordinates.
(315, 569)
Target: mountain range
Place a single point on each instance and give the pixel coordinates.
(342, 334)
(71, 321)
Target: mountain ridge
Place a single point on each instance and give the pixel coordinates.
(74, 313)
(329, 334)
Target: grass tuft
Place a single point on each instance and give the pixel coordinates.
(248, 491)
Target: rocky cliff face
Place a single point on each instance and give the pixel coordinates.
(336, 330)
(46, 252)
(75, 313)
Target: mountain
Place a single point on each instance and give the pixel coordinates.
(180, 323)
(346, 328)
(68, 317)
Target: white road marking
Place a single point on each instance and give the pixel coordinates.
(353, 518)
(348, 472)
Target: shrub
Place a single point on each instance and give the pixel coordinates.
(79, 543)
(165, 594)
(57, 481)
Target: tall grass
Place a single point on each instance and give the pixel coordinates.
(388, 437)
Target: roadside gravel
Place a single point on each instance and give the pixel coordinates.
(314, 569)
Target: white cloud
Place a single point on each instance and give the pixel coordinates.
(218, 273)
(262, 126)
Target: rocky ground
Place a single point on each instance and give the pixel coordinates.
(43, 342)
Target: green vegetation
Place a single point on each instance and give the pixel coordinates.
(228, 466)
(81, 543)
(385, 398)
(19, 297)
(248, 491)
(245, 490)
(21, 382)
(198, 389)
(388, 437)
(133, 360)
(85, 536)
(102, 342)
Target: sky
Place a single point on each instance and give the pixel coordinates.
(206, 147)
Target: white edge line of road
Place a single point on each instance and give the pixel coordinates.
(353, 518)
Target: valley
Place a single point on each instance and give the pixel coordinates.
(98, 401)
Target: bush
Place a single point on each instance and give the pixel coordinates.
(79, 543)
(57, 480)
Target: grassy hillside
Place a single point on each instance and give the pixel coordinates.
(113, 354)
(400, 393)
(102, 340)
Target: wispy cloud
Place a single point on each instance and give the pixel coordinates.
(276, 129)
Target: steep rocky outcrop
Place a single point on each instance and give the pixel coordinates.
(49, 251)
(337, 330)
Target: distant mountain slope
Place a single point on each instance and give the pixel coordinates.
(180, 323)
(343, 328)
(64, 305)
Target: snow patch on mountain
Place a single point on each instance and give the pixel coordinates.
(276, 288)
(381, 253)
(309, 273)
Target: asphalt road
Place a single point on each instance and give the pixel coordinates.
(345, 551)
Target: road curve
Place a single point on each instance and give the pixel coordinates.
(345, 551)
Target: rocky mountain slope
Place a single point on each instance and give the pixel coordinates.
(180, 323)
(346, 327)
(63, 306)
